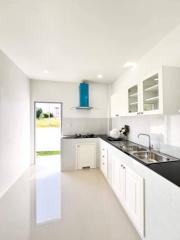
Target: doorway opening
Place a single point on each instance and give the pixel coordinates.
(48, 131)
(48, 126)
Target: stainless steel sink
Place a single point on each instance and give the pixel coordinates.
(143, 154)
(133, 148)
(151, 157)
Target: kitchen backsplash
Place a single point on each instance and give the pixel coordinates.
(84, 125)
(164, 131)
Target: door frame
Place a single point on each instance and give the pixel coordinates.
(34, 122)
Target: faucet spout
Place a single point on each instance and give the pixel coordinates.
(147, 135)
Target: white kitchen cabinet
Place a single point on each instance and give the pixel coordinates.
(127, 185)
(146, 96)
(134, 198)
(119, 178)
(157, 92)
(119, 104)
(85, 155)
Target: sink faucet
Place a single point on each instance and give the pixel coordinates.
(147, 135)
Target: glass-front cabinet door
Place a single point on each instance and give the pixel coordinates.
(151, 94)
(133, 99)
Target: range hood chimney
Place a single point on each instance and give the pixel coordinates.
(84, 96)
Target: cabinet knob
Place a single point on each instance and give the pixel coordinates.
(123, 167)
(117, 115)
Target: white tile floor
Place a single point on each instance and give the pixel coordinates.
(69, 206)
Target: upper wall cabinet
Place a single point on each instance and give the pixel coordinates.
(157, 93)
(115, 109)
(119, 104)
(160, 92)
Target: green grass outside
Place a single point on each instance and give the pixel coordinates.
(48, 122)
(47, 153)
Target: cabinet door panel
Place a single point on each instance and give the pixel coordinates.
(119, 103)
(151, 94)
(133, 100)
(131, 193)
(119, 175)
(85, 155)
(135, 198)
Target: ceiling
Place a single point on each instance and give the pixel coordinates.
(79, 39)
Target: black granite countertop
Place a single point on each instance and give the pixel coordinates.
(168, 170)
(75, 137)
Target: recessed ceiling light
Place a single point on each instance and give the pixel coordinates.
(46, 71)
(99, 76)
(129, 65)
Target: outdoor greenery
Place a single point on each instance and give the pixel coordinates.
(48, 115)
(47, 153)
(47, 122)
(40, 114)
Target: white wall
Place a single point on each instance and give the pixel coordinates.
(166, 52)
(14, 123)
(74, 121)
(164, 130)
(68, 94)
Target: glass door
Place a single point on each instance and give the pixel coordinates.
(151, 93)
(133, 99)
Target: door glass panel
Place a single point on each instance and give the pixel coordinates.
(133, 99)
(151, 93)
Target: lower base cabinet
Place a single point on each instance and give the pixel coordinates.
(119, 179)
(85, 155)
(134, 199)
(128, 187)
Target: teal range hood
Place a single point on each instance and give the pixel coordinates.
(84, 96)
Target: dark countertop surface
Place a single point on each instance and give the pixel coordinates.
(74, 137)
(168, 170)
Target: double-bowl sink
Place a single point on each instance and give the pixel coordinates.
(145, 155)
